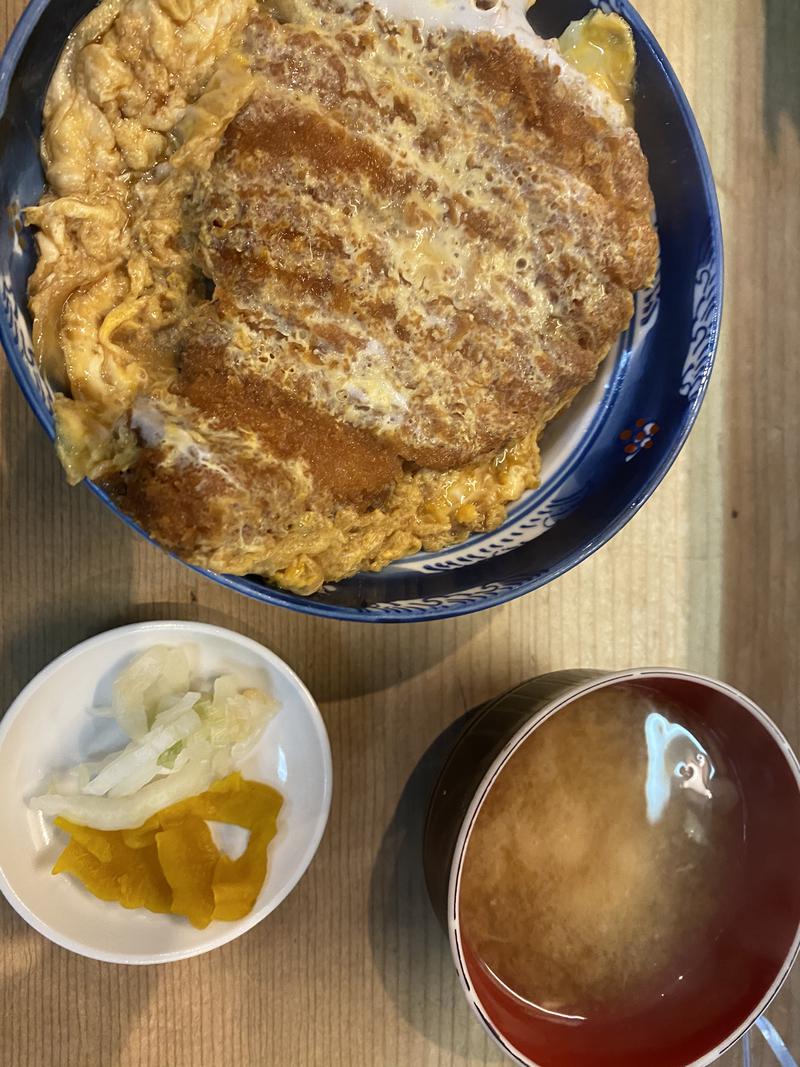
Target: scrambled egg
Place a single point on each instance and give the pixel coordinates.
(137, 257)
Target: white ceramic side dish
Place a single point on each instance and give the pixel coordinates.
(49, 727)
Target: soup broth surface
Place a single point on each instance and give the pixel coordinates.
(599, 862)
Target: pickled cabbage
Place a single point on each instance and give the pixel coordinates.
(182, 740)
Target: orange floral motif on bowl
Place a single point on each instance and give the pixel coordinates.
(640, 437)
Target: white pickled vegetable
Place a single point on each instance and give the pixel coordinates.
(142, 756)
(182, 741)
(76, 778)
(147, 685)
(123, 813)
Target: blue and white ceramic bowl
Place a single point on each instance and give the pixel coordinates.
(601, 459)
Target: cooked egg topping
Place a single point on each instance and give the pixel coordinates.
(312, 279)
(601, 47)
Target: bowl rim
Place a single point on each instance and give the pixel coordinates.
(421, 612)
(600, 679)
(224, 932)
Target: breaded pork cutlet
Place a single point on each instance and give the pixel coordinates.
(401, 256)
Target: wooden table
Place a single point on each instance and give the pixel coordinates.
(352, 971)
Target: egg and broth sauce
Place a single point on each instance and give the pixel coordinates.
(304, 322)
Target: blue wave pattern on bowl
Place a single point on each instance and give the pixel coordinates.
(591, 485)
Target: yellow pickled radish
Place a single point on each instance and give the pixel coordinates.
(170, 862)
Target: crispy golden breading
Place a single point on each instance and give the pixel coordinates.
(355, 303)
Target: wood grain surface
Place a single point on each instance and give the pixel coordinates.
(352, 971)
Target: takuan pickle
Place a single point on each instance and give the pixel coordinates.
(171, 864)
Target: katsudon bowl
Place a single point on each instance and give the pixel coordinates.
(601, 458)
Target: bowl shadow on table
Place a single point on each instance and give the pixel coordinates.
(781, 76)
(338, 661)
(760, 609)
(410, 950)
(48, 526)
